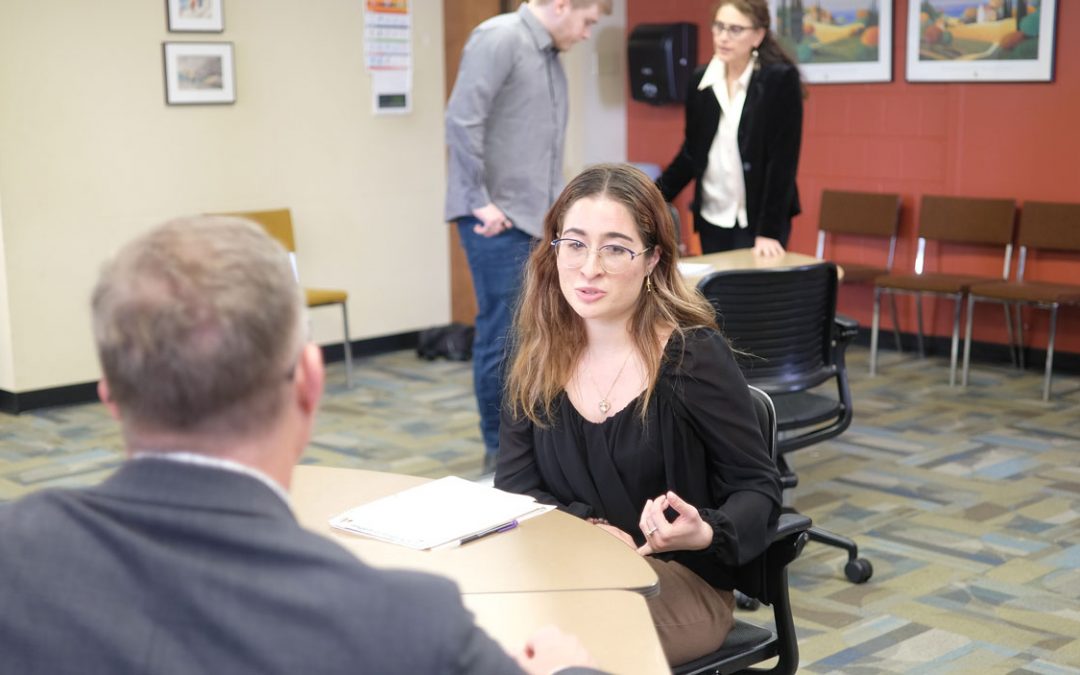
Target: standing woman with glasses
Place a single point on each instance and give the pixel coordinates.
(743, 129)
(625, 406)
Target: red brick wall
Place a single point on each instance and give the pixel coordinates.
(980, 140)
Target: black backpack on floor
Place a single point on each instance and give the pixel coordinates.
(452, 342)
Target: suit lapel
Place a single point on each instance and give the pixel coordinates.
(753, 96)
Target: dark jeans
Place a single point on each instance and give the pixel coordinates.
(497, 264)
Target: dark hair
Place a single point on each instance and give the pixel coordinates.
(769, 51)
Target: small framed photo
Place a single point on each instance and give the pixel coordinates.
(195, 16)
(972, 41)
(199, 73)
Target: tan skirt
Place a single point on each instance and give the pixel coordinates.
(692, 618)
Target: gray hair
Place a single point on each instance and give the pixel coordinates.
(198, 325)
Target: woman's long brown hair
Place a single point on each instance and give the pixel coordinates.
(549, 336)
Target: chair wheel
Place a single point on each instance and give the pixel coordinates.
(859, 570)
(744, 601)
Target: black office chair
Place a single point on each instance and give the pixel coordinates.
(782, 323)
(765, 579)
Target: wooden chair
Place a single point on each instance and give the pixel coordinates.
(278, 223)
(862, 214)
(1044, 226)
(985, 222)
(764, 579)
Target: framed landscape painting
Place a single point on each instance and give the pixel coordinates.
(837, 40)
(981, 40)
(199, 73)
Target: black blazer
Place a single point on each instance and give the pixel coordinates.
(770, 132)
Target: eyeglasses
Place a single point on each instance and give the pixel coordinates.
(732, 29)
(615, 259)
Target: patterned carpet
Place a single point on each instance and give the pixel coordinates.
(967, 502)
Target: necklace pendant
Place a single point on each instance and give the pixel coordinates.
(604, 406)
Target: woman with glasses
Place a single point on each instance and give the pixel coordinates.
(625, 406)
(743, 129)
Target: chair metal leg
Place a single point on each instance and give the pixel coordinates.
(874, 325)
(1008, 331)
(1020, 334)
(895, 322)
(1050, 352)
(919, 336)
(348, 345)
(954, 351)
(967, 340)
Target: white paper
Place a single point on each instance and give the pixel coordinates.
(438, 513)
(693, 269)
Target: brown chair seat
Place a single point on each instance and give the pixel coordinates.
(988, 223)
(930, 283)
(857, 273)
(1046, 226)
(1028, 291)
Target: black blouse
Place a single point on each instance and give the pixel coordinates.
(700, 439)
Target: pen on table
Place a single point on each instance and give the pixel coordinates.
(506, 527)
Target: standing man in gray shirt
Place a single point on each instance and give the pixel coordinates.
(505, 127)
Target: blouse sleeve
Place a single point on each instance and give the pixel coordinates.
(680, 170)
(743, 480)
(517, 469)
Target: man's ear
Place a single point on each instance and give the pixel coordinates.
(310, 378)
(106, 398)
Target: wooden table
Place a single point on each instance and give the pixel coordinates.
(551, 552)
(743, 259)
(615, 626)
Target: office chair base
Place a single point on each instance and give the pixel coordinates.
(857, 570)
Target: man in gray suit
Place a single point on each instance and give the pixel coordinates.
(188, 559)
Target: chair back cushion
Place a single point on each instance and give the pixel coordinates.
(967, 219)
(1050, 226)
(276, 222)
(865, 213)
(779, 321)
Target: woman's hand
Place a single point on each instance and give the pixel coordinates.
(767, 248)
(688, 532)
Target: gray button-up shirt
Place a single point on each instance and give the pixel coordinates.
(506, 122)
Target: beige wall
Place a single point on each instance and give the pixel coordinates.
(596, 78)
(90, 155)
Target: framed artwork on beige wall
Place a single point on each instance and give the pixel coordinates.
(199, 73)
(837, 41)
(195, 16)
(981, 40)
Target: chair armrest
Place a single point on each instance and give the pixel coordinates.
(790, 524)
(846, 328)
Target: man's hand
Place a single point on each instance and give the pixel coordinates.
(550, 650)
(493, 221)
(688, 532)
(766, 247)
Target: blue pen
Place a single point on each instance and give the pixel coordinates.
(495, 530)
